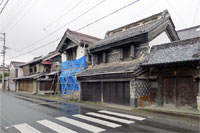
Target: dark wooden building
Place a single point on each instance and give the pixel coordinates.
(115, 75)
(173, 69)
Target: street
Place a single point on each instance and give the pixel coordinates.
(27, 115)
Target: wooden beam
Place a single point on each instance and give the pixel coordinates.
(107, 80)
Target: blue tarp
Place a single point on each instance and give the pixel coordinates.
(69, 83)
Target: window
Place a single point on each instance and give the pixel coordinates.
(126, 52)
(35, 69)
(99, 58)
(16, 73)
(30, 70)
(71, 54)
(47, 68)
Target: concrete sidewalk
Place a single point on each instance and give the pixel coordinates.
(191, 114)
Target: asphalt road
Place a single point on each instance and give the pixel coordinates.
(26, 115)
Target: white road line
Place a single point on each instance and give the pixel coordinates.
(25, 128)
(88, 127)
(56, 127)
(122, 115)
(98, 121)
(111, 118)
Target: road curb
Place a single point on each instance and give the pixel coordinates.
(93, 105)
(174, 113)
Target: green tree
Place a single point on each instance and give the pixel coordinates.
(6, 74)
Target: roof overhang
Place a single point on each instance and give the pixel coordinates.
(141, 38)
(62, 42)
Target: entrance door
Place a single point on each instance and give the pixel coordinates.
(186, 91)
(180, 91)
(169, 90)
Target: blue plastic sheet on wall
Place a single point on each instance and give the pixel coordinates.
(69, 84)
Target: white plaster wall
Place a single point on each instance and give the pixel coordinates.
(80, 52)
(160, 39)
(20, 71)
(63, 57)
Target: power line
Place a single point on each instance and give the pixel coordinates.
(64, 25)
(22, 7)
(13, 9)
(21, 18)
(179, 16)
(108, 15)
(80, 28)
(74, 7)
(1, 2)
(13, 14)
(196, 12)
(4, 7)
(35, 49)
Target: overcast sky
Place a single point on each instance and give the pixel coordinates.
(24, 21)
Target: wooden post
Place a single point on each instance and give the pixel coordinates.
(102, 92)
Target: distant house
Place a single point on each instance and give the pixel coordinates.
(15, 72)
(115, 75)
(39, 75)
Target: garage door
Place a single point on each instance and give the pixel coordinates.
(26, 86)
(91, 91)
(116, 92)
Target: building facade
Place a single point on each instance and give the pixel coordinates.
(40, 74)
(173, 72)
(115, 75)
(15, 72)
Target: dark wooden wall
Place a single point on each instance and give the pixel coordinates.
(26, 86)
(108, 92)
(116, 92)
(177, 85)
(47, 86)
(91, 91)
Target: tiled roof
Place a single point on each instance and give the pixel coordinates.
(16, 63)
(33, 76)
(110, 68)
(175, 52)
(82, 38)
(77, 37)
(133, 29)
(188, 33)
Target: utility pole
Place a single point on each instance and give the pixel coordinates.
(3, 52)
